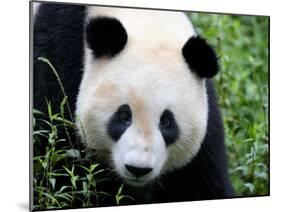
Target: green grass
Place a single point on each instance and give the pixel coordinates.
(241, 43)
(65, 175)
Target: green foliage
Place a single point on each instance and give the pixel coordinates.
(119, 196)
(242, 85)
(61, 178)
(64, 173)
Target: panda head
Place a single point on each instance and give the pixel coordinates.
(142, 103)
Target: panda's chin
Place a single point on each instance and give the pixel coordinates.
(136, 182)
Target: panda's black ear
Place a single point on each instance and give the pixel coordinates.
(200, 57)
(105, 36)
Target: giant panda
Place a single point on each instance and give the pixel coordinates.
(139, 84)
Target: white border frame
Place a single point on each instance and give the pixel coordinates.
(14, 91)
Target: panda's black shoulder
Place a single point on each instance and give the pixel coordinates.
(211, 162)
(57, 36)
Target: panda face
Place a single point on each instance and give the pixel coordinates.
(141, 124)
(142, 109)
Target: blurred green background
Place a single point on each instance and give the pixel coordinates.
(241, 43)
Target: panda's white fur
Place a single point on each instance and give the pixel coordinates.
(150, 75)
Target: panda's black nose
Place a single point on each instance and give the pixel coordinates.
(138, 171)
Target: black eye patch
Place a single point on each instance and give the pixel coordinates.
(168, 127)
(119, 122)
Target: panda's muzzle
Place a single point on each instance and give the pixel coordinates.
(138, 171)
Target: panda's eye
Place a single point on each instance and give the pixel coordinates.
(124, 115)
(164, 122)
(119, 122)
(168, 127)
(166, 119)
